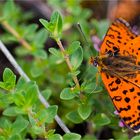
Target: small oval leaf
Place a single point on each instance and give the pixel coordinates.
(67, 94)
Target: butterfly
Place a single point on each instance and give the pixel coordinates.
(119, 66)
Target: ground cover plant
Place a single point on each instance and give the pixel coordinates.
(55, 55)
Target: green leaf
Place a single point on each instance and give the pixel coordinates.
(74, 73)
(51, 113)
(9, 77)
(84, 111)
(19, 125)
(136, 138)
(12, 111)
(3, 86)
(30, 31)
(32, 120)
(19, 98)
(73, 47)
(71, 136)
(47, 115)
(24, 85)
(31, 95)
(5, 124)
(46, 93)
(21, 83)
(21, 51)
(101, 119)
(55, 52)
(50, 132)
(54, 26)
(67, 94)
(36, 71)
(56, 20)
(89, 137)
(37, 130)
(9, 8)
(2, 138)
(40, 38)
(54, 60)
(40, 53)
(91, 87)
(15, 137)
(45, 23)
(55, 137)
(76, 58)
(103, 24)
(74, 117)
(9, 80)
(5, 100)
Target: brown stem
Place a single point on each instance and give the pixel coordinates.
(66, 57)
(89, 128)
(16, 34)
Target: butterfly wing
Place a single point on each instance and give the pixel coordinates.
(124, 94)
(117, 37)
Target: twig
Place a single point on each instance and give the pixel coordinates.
(16, 34)
(23, 74)
(66, 57)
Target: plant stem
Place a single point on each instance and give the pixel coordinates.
(66, 57)
(16, 34)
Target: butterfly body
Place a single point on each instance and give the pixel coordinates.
(119, 65)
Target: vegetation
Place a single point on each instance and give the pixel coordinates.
(61, 72)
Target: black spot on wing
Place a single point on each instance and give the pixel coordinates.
(114, 89)
(138, 63)
(132, 89)
(115, 31)
(117, 98)
(119, 41)
(115, 48)
(110, 84)
(127, 100)
(138, 107)
(126, 118)
(119, 37)
(109, 43)
(132, 37)
(125, 91)
(124, 108)
(107, 76)
(118, 81)
(111, 36)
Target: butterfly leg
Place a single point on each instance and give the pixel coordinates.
(97, 77)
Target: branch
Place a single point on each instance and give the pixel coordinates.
(23, 74)
(66, 57)
(10, 29)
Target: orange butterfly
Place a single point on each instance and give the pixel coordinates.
(119, 65)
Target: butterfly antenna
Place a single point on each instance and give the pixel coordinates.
(86, 44)
(83, 35)
(97, 82)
